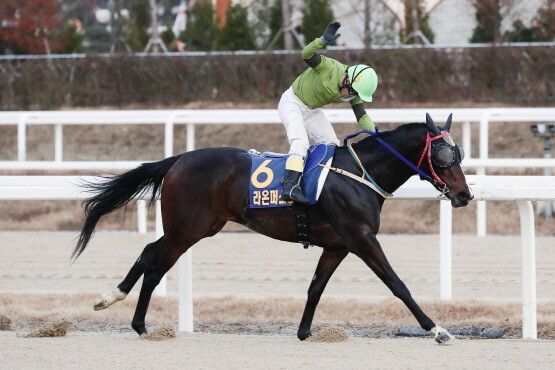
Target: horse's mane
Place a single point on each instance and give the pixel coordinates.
(378, 159)
(400, 133)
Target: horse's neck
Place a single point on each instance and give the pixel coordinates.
(384, 166)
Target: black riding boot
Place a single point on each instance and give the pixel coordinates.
(292, 187)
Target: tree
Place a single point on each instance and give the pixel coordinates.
(98, 39)
(137, 25)
(379, 25)
(542, 27)
(237, 34)
(168, 37)
(489, 15)
(69, 39)
(488, 19)
(260, 21)
(201, 32)
(417, 23)
(317, 14)
(275, 22)
(520, 33)
(545, 22)
(30, 25)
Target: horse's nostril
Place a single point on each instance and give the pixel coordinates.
(464, 196)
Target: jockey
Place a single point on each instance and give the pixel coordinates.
(326, 81)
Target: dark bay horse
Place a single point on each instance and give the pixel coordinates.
(203, 189)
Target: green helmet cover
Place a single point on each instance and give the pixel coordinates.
(364, 80)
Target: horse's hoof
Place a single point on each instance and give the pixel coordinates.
(445, 339)
(442, 336)
(106, 300)
(304, 336)
(139, 328)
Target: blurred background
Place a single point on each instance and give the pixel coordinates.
(61, 53)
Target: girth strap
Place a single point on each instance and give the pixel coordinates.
(303, 222)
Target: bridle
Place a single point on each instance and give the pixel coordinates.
(443, 155)
(435, 152)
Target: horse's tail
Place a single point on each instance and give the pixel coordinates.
(117, 191)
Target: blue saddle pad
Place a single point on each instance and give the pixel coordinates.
(268, 170)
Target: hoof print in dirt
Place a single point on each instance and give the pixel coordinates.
(164, 333)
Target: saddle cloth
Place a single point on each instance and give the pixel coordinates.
(268, 170)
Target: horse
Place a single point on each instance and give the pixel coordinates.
(202, 190)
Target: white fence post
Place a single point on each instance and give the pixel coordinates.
(22, 137)
(168, 135)
(445, 247)
(481, 229)
(58, 142)
(186, 266)
(161, 289)
(528, 240)
(186, 292)
(142, 217)
(190, 137)
(467, 139)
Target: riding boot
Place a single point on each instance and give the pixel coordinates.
(292, 187)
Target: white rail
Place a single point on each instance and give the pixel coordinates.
(265, 116)
(191, 117)
(522, 189)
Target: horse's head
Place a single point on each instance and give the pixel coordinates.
(444, 162)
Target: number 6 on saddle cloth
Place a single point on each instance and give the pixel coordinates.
(268, 169)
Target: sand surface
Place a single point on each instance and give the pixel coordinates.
(247, 265)
(253, 266)
(224, 351)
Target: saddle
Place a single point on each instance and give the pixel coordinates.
(268, 170)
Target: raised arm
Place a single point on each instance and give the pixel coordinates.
(310, 56)
(362, 117)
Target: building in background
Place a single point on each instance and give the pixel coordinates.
(452, 21)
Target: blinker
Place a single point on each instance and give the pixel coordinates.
(446, 156)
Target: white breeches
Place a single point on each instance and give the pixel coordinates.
(302, 122)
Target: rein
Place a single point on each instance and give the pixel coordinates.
(434, 179)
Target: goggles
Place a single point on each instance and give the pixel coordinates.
(351, 93)
(445, 155)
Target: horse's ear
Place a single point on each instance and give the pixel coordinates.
(432, 125)
(447, 126)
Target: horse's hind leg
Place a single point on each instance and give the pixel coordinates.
(329, 260)
(119, 294)
(370, 251)
(166, 256)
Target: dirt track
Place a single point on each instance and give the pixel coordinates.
(247, 265)
(252, 266)
(224, 351)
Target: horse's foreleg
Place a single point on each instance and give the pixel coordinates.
(166, 256)
(105, 300)
(329, 260)
(370, 251)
